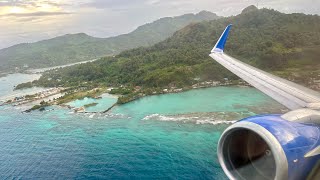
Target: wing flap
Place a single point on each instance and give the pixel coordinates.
(314, 152)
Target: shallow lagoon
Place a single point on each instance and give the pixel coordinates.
(103, 104)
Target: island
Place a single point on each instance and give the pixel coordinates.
(181, 62)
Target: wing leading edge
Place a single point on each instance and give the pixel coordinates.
(291, 95)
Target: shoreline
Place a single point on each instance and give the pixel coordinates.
(41, 70)
(164, 93)
(198, 118)
(136, 95)
(185, 89)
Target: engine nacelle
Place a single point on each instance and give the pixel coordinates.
(269, 147)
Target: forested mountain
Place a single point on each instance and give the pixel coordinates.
(287, 44)
(73, 48)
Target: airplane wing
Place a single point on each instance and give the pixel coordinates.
(291, 95)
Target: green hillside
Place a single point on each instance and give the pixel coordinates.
(286, 44)
(81, 47)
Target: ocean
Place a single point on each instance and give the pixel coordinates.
(171, 136)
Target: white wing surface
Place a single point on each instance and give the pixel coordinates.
(289, 94)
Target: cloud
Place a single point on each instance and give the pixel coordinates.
(23, 8)
(29, 2)
(43, 19)
(109, 4)
(35, 14)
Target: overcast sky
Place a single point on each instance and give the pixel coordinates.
(34, 20)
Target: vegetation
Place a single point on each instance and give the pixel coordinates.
(90, 105)
(29, 97)
(121, 91)
(128, 98)
(72, 95)
(265, 38)
(24, 86)
(81, 47)
(40, 107)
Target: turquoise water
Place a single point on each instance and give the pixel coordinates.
(103, 104)
(125, 143)
(220, 99)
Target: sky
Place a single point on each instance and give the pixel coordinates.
(25, 21)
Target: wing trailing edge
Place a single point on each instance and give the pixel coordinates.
(314, 152)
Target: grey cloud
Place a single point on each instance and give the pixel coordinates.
(27, 19)
(35, 14)
(19, 3)
(112, 17)
(109, 4)
(33, 3)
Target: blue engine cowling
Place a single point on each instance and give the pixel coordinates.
(269, 147)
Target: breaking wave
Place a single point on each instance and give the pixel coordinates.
(102, 115)
(188, 119)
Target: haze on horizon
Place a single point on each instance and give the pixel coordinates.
(33, 20)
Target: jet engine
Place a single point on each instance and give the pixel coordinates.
(272, 147)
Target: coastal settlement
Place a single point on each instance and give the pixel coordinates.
(124, 93)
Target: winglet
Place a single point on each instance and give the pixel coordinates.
(219, 47)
